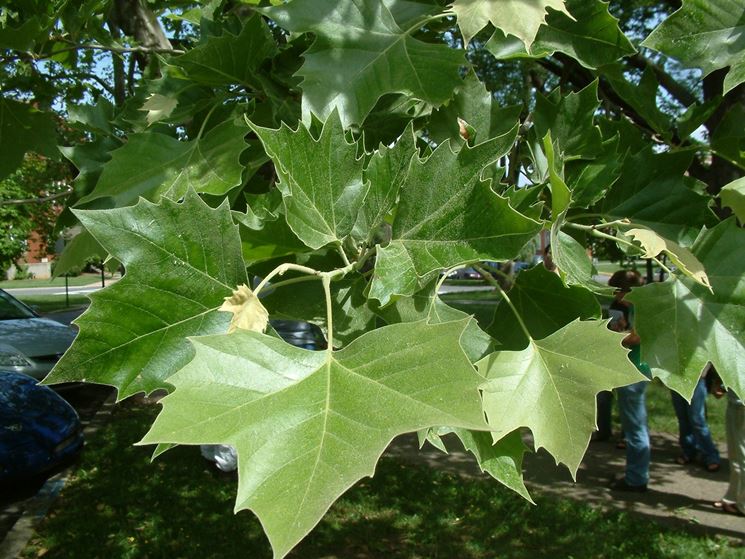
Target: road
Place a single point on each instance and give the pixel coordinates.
(53, 290)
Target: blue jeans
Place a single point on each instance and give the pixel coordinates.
(633, 410)
(694, 434)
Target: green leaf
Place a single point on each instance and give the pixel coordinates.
(151, 165)
(654, 191)
(561, 197)
(475, 105)
(426, 305)
(545, 305)
(159, 107)
(728, 138)
(683, 325)
(642, 97)
(352, 315)
(23, 37)
(308, 425)
(77, 251)
(182, 260)
(686, 262)
(320, 179)
(23, 129)
(514, 17)
(95, 118)
(706, 35)
(570, 120)
(550, 386)
(230, 59)
(448, 216)
(272, 239)
(572, 261)
(733, 196)
(590, 35)
(385, 173)
(502, 460)
(590, 180)
(360, 54)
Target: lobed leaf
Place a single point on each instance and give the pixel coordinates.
(683, 325)
(308, 425)
(182, 260)
(547, 386)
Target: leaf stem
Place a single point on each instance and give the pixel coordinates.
(281, 270)
(206, 118)
(340, 250)
(326, 278)
(490, 280)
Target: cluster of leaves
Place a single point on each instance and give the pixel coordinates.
(348, 155)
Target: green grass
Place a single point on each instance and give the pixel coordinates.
(118, 504)
(84, 279)
(53, 303)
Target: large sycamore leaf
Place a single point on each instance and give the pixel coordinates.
(587, 32)
(707, 35)
(545, 305)
(182, 260)
(308, 425)
(23, 128)
(320, 179)
(550, 386)
(152, 164)
(230, 59)
(683, 325)
(362, 53)
(514, 17)
(654, 191)
(448, 216)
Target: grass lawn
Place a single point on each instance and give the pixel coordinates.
(53, 303)
(83, 279)
(119, 505)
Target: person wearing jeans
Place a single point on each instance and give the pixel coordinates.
(631, 399)
(694, 435)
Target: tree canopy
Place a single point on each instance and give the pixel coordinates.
(330, 161)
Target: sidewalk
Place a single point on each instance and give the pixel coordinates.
(678, 496)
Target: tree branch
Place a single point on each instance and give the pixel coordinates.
(673, 87)
(41, 200)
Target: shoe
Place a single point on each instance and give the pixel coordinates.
(620, 484)
(683, 460)
(727, 508)
(621, 445)
(713, 467)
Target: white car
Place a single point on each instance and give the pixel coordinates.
(30, 344)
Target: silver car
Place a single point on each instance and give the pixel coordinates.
(28, 343)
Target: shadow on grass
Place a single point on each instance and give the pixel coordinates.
(119, 505)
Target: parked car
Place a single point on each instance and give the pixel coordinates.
(39, 430)
(30, 344)
(299, 334)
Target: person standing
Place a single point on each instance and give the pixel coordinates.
(632, 398)
(733, 501)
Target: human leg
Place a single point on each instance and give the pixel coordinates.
(633, 408)
(700, 428)
(735, 425)
(685, 429)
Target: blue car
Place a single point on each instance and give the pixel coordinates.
(39, 430)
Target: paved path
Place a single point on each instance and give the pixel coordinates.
(678, 496)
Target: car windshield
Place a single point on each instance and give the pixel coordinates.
(11, 308)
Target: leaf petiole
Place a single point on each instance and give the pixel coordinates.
(491, 281)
